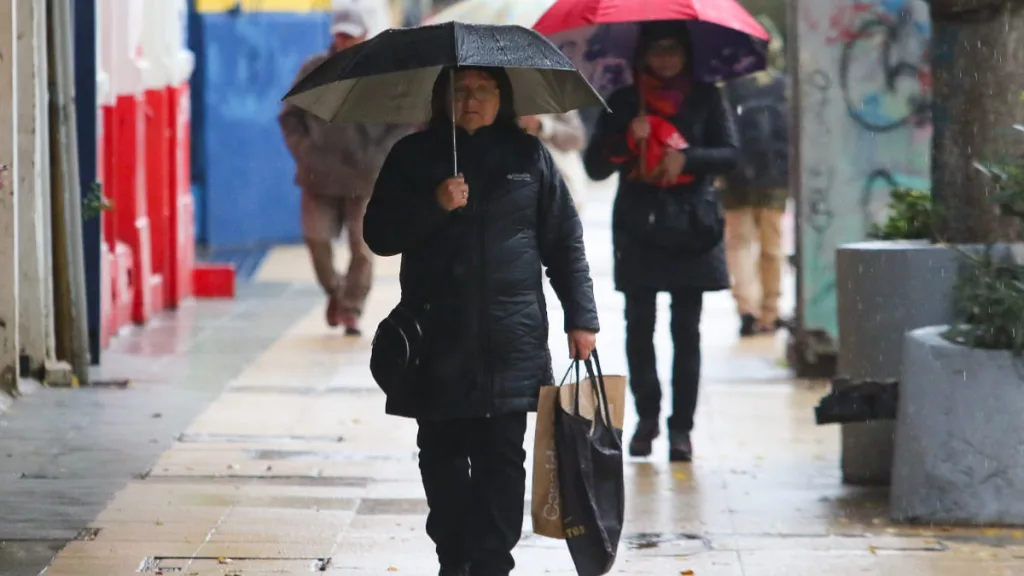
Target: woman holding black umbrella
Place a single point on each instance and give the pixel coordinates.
(667, 136)
(473, 247)
(476, 208)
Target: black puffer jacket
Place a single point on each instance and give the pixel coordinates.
(480, 268)
(710, 128)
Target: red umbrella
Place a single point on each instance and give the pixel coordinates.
(727, 41)
(566, 14)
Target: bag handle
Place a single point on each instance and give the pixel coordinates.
(565, 378)
(597, 383)
(596, 376)
(576, 394)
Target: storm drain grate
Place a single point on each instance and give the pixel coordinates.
(87, 534)
(28, 476)
(648, 540)
(236, 439)
(183, 565)
(320, 481)
(314, 456)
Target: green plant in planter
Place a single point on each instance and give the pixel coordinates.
(989, 299)
(989, 294)
(912, 216)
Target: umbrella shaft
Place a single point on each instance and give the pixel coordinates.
(455, 148)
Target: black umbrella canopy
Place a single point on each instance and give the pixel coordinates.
(390, 78)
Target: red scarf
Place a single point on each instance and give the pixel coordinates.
(664, 98)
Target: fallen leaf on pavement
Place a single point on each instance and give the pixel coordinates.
(873, 550)
(392, 569)
(680, 476)
(223, 560)
(686, 573)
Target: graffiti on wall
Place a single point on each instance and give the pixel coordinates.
(865, 127)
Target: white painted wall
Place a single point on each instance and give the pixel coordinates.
(33, 277)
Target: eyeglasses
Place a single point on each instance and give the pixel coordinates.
(665, 49)
(480, 94)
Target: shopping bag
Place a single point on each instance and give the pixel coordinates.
(546, 505)
(590, 476)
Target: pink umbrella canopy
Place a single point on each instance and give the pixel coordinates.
(600, 36)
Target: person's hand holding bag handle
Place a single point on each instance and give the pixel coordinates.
(453, 193)
(581, 344)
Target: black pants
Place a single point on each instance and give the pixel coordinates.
(643, 367)
(475, 478)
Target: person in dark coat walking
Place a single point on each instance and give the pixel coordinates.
(335, 166)
(473, 249)
(667, 223)
(755, 195)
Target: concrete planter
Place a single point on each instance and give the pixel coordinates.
(959, 452)
(883, 290)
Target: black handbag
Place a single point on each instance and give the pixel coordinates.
(681, 221)
(590, 477)
(396, 348)
(398, 344)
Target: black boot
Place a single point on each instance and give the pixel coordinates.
(680, 449)
(748, 325)
(455, 570)
(646, 431)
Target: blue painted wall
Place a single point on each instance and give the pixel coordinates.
(242, 171)
(84, 26)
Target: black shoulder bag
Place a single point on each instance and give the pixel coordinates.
(398, 343)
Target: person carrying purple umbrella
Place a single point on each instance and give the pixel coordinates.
(668, 135)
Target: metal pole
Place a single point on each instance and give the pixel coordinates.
(795, 164)
(455, 150)
(43, 159)
(67, 137)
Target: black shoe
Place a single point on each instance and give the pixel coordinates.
(748, 325)
(646, 432)
(680, 449)
(455, 571)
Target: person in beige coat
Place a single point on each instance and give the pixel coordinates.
(565, 137)
(336, 167)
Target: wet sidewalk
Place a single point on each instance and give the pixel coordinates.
(294, 469)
